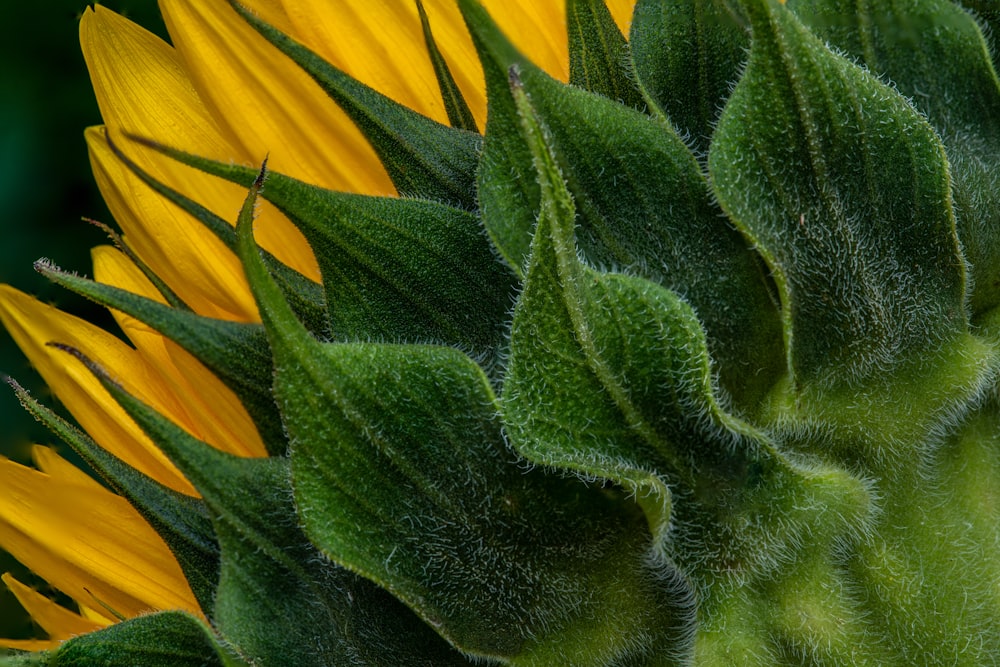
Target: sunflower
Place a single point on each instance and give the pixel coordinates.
(222, 91)
(467, 331)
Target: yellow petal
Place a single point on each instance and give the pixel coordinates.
(194, 398)
(378, 43)
(33, 324)
(621, 12)
(266, 104)
(538, 30)
(88, 543)
(57, 621)
(142, 88)
(60, 469)
(30, 645)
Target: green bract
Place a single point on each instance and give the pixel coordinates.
(693, 361)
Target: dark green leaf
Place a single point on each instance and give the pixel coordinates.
(459, 114)
(181, 521)
(401, 474)
(166, 639)
(236, 352)
(609, 376)
(598, 53)
(424, 158)
(394, 269)
(934, 53)
(644, 208)
(278, 600)
(687, 54)
(843, 187)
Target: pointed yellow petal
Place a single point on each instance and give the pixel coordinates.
(186, 256)
(57, 621)
(197, 399)
(266, 104)
(88, 543)
(30, 645)
(379, 43)
(33, 324)
(621, 11)
(142, 88)
(58, 468)
(538, 29)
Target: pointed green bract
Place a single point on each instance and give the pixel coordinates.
(369, 251)
(304, 294)
(181, 521)
(369, 449)
(843, 187)
(687, 54)
(598, 53)
(235, 352)
(934, 53)
(424, 158)
(459, 114)
(644, 208)
(277, 599)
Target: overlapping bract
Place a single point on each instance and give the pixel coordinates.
(685, 373)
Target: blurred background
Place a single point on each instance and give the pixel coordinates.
(45, 188)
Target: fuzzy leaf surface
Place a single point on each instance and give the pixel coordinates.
(843, 187)
(598, 53)
(401, 474)
(278, 600)
(644, 208)
(686, 55)
(934, 53)
(165, 639)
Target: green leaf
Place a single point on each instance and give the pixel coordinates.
(402, 270)
(401, 474)
(304, 294)
(424, 158)
(843, 187)
(686, 55)
(236, 352)
(278, 601)
(166, 639)
(609, 376)
(644, 208)
(598, 53)
(934, 53)
(181, 521)
(394, 269)
(987, 15)
(459, 114)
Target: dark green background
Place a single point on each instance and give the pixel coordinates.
(45, 188)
